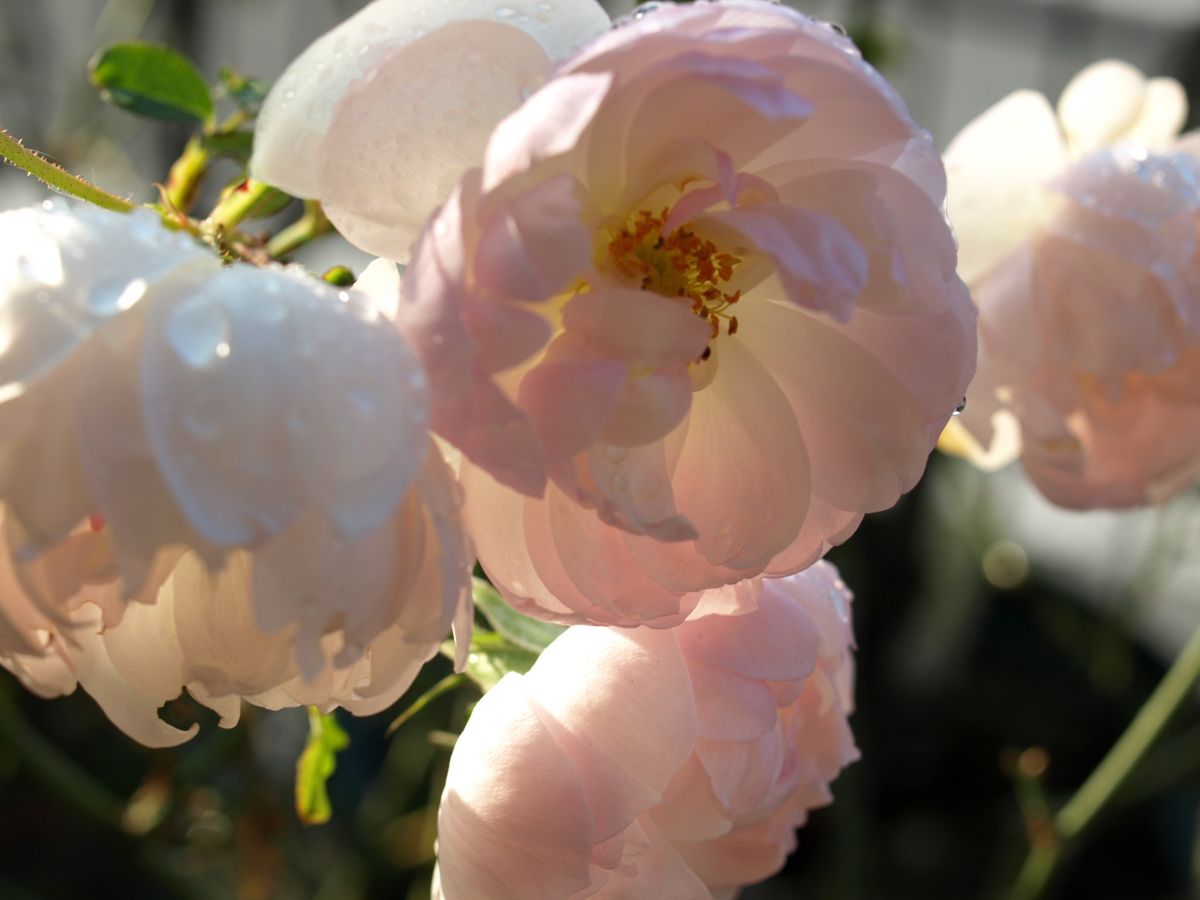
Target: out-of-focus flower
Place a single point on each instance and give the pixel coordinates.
(162, 417)
(1078, 237)
(654, 763)
(381, 115)
(703, 280)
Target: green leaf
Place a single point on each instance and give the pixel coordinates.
(525, 633)
(445, 686)
(152, 81)
(315, 766)
(491, 657)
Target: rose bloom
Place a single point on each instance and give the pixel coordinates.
(242, 450)
(1078, 236)
(380, 116)
(654, 763)
(703, 281)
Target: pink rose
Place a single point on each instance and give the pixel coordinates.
(1083, 260)
(654, 763)
(162, 418)
(704, 282)
(380, 116)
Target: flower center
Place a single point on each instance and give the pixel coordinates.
(677, 264)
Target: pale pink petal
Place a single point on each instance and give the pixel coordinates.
(1101, 103)
(134, 712)
(408, 91)
(525, 253)
(1163, 114)
(819, 263)
(605, 755)
(572, 400)
(495, 838)
(716, 158)
(851, 410)
(996, 168)
(437, 317)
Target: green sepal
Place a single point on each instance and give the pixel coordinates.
(315, 766)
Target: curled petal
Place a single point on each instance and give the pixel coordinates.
(380, 116)
(996, 169)
(645, 746)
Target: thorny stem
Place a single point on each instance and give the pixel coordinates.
(1079, 814)
(57, 178)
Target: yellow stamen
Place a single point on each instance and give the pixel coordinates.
(679, 264)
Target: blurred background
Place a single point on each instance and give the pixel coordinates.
(989, 622)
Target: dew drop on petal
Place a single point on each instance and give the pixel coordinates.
(363, 401)
(42, 262)
(198, 332)
(201, 426)
(113, 295)
(962, 404)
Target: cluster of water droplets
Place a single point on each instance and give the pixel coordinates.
(68, 271)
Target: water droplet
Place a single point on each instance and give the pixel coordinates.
(42, 263)
(362, 400)
(505, 12)
(146, 227)
(113, 295)
(289, 94)
(644, 9)
(962, 404)
(205, 427)
(838, 27)
(198, 332)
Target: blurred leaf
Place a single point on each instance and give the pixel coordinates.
(152, 81)
(526, 633)
(315, 766)
(447, 684)
(234, 144)
(492, 657)
(247, 93)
